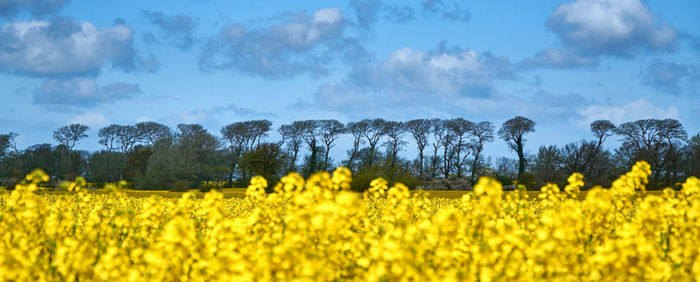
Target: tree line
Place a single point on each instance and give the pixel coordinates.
(450, 153)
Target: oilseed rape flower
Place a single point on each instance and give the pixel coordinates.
(316, 229)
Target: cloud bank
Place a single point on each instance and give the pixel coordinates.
(368, 12)
(558, 59)
(589, 29)
(37, 8)
(415, 79)
(671, 78)
(635, 110)
(63, 47)
(297, 43)
(610, 27)
(176, 30)
(82, 92)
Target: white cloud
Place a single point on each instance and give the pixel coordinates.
(296, 43)
(635, 110)
(144, 119)
(451, 11)
(445, 73)
(191, 116)
(38, 8)
(82, 92)
(240, 111)
(201, 117)
(671, 78)
(177, 30)
(610, 27)
(91, 119)
(63, 47)
(411, 82)
(558, 59)
(328, 15)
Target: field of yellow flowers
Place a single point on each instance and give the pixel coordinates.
(316, 229)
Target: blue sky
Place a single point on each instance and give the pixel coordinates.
(561, 63)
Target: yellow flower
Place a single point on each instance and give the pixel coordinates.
(315, 229)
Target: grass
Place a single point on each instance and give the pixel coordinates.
(240, 193)
(228, 193)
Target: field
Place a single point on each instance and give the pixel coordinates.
(315, 229)
(241, 193)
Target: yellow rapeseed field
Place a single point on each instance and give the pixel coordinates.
(315, 229)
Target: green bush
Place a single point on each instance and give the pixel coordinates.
(528, 180)
(205, 187)
(505, 180)
(181, 186)
(363, 177)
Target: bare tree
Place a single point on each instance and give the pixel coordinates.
(602, 129)
(693, 155)
(644, 140)
(189, 130)
(447, 144)
(245, 135)
(236, 134)
(574, 155)
(652, 140)
(127, 136)
(330, 130)
(672, 129)
(7, 141)
(357, 130)
(4, 144)
(258, 129)
(460, 129)
(394, 131)
(310, 133)
(375, 129)
(443, 138)
(13, 141)
(641, 133)
(438, 130)
(506, 167)
(70, 134)
(291, 135)
(481, 133)
(108, 136)
(151, 132)
(547, 165)
(512, 132)
(419, 129)
(673, 133)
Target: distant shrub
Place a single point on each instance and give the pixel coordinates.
(505, 180)
(449, 184)
(181, 186)
(528, 180)
(362, 178)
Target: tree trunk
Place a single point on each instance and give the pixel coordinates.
(474, 165)
(352, 158)
(521, 159)
(314, 152)
(371, 155)
(293, 164)
(459, 162)
(445, 164)
(420, 163)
